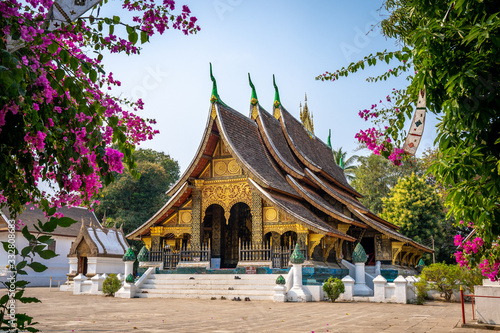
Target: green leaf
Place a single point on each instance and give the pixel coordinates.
(116, 19)
(21, 265)
(47, 254)
(45, 239)
(64, 56)
(65, 222)
(37, 267)
(93, 75)
(52, 48)
(49, 226)
(27, 234)
(29, 300)
(133, 37)
(144, 37)
(59, 76)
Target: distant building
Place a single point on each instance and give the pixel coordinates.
(58, 267)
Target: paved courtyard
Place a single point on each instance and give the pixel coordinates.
(65, 312)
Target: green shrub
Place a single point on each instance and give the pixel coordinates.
(443, 278)
(420, 291)
(333, 288)
(470, 278)
(111, 285)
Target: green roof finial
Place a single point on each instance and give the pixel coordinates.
(129, 255)
(329, 142)
(421, 263)
(215, 95)
(297, 256)
(254, 99)
(277, 101)
(341, 162)
(359, 254)
(143, 254)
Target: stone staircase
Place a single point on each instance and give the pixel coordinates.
(206, 286)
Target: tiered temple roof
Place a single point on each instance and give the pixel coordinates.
(286, 164)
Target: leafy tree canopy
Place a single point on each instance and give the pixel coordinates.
(375, 176)
(416, 207)
(130, 201)
(450, 50)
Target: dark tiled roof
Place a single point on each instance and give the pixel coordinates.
(271, 129)
(317, 201)
(299, 212)
(312, 149)
(346, 200)
(246, 143)
(31, 215)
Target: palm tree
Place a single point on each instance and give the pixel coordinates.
(347, 164)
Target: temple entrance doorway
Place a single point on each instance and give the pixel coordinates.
(212, 225)
(238, 228)
(368, 244)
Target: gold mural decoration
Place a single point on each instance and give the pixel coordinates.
(206, 172)
(285, 217)
(270, 214)
(177, 231)
(186, 216)
(226, 167)
(223, 149)
(225, 195)
(220, 168)
(157, 231)
(279, 228)
(172, 219)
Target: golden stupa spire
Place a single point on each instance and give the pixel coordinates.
(306, 117)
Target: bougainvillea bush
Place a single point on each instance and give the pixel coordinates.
(59, 124)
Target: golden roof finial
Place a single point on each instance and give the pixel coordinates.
(306, 117)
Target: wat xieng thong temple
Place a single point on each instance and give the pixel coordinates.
(258, 185)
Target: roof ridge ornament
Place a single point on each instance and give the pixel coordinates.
(215, 94)
(254, 100)
(277, 102)
(254, 113)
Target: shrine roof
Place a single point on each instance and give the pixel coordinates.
(313, 152)
(300, 214)
(102, 242)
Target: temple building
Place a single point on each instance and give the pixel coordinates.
(261, 183)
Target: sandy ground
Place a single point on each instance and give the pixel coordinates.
(65, 312)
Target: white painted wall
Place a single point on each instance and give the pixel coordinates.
(57, 267)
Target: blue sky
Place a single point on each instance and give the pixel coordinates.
(295, 40)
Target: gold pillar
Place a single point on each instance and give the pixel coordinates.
(196, 215)
(256, 219)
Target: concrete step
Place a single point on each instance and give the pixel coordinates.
(200, 296)
(207, 286)
(214, 292)
(202, 281)
(214, 276)
(148, 285)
